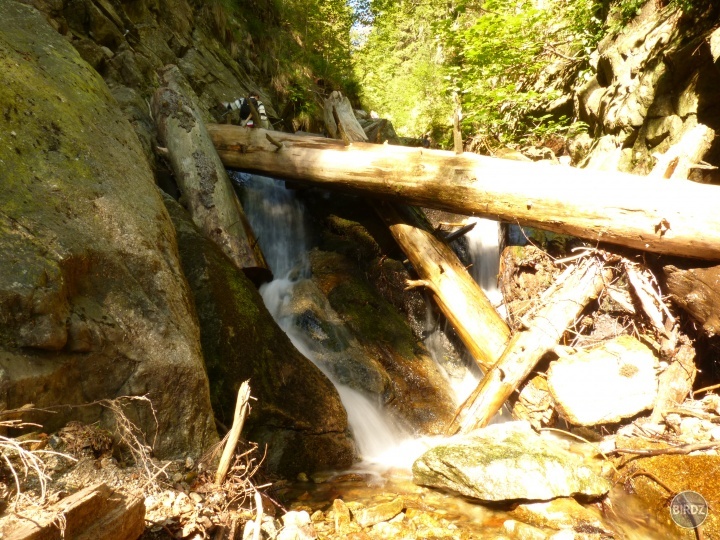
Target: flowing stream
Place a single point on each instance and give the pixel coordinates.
(277, 218)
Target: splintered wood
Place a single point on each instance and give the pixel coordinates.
(578, 285)
(93, 513)
(242, 407)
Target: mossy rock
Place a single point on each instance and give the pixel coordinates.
(298, 412)
(419, 394)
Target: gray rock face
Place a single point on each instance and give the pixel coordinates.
(506, 462)
(92, 297)
(652, 86)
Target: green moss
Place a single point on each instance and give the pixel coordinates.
(677, 473)
(241, 341)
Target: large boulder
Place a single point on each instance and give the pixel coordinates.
(298, 411)
(93, 301)
(413, 387)
(506, 462)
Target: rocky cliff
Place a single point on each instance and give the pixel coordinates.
(94, 296)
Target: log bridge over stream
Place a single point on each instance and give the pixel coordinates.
(655, 214)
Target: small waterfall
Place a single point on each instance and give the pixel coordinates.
(484, 246)
(277, 218)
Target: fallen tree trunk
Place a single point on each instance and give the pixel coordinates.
(204, 183)
(461, 300)
(557, 310)
(639, 212)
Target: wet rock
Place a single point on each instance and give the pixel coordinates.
(371, 515)
(504, 462)
(298, 411)
(332, 345)
(412, 386)
(88, 251)
(606, 384)
(559, 514)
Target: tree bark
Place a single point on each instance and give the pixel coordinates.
(642, 213)
(341, 106)
(557, 310)
(697, 291)
(204, 183)
(460, 299)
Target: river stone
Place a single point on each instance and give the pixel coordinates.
(371, 515)
(613, 381)
(506, 462)
(93, 302)
(559, 514)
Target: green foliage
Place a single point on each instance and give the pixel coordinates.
(400, 66)
(496, 54)
(502, 51)
(294, 46)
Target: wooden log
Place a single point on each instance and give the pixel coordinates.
(93, 513)
(697, 291)
(461, 300)
(241, 409)
(685, 155)
(639, 212)
(204, 183)
(556, 311)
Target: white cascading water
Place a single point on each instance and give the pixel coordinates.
(484, 247)
(484, 250)
(277, 220)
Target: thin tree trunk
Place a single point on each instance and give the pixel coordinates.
(204, 183)
(642, 213)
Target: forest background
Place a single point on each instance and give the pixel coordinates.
(508, 66)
